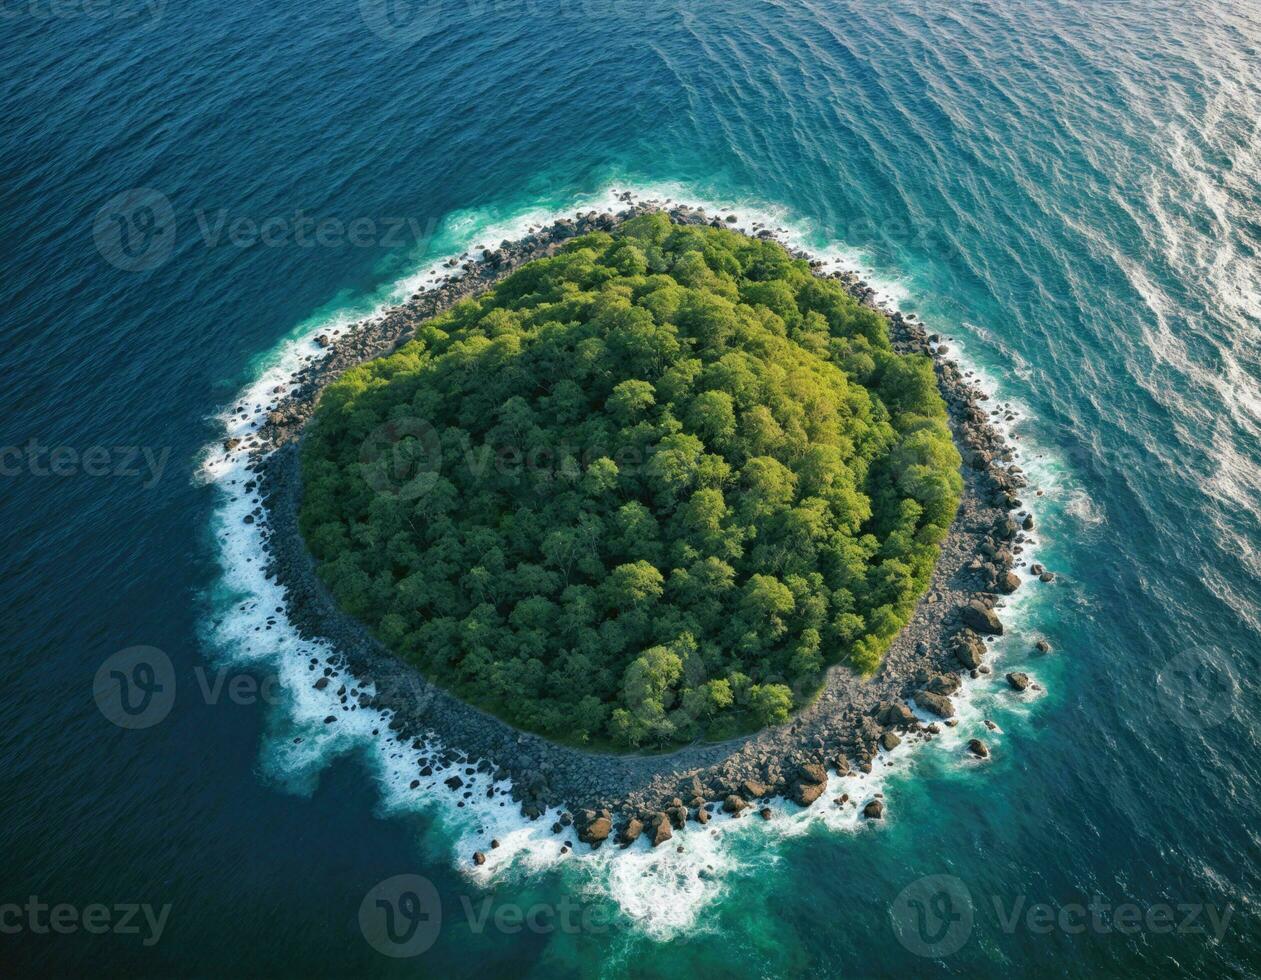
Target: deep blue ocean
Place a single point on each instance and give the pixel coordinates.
(189, 192)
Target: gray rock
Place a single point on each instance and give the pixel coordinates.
(981, 618)
(969, 650)
(938, 704)
(945, 684)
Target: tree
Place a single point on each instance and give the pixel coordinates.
(672, 476)
(770, 704)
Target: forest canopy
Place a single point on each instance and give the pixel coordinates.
(642, 491)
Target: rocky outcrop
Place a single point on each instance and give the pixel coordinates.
(938, 704)
(980, 617)
(594, 828)
(630, 832)
(968, 648)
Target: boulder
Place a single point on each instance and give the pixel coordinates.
(812, 772)
(1042, 646)
(597, 831)
(806, 793)
(978, 748)
(968, 649)
(944, 684)
(896, 715)
(630, 832)
(874, 810)
(734, 804)
(890, 741)
(766, 813)
(980, 617)
(661, 831)
(1008, 582)
(752, 789)
(702, 816)
(938, 704)
(1019, 680)
(479, 858)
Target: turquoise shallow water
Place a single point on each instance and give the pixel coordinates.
(1072, 192)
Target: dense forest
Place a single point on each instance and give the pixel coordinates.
(643, 491)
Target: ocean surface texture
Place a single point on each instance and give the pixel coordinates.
(1068, 192)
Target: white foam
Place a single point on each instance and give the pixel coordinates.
(661, 889)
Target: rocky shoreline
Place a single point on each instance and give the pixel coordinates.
(628, 796)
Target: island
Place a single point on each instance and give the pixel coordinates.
(646, 516)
